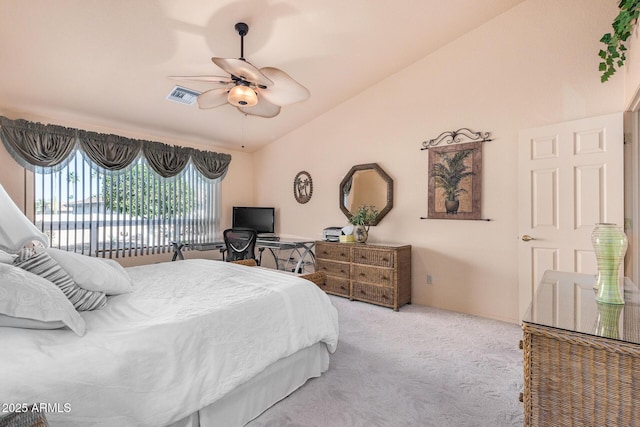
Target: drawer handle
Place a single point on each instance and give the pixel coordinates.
(342, 254)
(343, 288)
(362, 292)
(521, 344)
(342, 271)
(385, 259)
(362, 274)
(384, 296)
(385, 278)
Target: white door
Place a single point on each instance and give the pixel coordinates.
(570, 178)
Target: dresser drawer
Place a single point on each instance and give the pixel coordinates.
(336, 285)
(331, 268)
(372, 293)
(379, 258)
(379, 276)
(332, 251)
(372, 273)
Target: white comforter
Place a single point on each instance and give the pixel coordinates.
(190, 332)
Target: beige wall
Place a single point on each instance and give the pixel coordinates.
(236, 187)
(12, 177)
(534, 65)
(631, 70)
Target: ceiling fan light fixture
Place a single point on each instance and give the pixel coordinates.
(242, 96)
(245, 83)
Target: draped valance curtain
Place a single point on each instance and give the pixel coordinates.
(51, 147)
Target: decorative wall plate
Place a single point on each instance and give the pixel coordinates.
(302, 187)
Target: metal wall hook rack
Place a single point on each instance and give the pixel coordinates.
(459, 136)
(479, 219)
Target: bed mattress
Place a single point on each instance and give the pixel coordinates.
(190, 333)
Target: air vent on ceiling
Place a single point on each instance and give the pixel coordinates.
(183, 95)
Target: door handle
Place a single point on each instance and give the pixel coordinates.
(526, 238)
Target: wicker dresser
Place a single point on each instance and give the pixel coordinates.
(581, 358)
(378, 274)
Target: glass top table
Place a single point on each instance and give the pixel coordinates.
(303, 249)
(566, 301)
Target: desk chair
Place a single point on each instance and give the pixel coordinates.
(240, 244)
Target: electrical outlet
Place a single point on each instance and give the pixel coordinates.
(429, 279)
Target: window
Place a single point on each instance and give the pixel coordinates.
(86, 209)
(104, 195)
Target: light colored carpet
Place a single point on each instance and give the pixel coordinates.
(420, 366)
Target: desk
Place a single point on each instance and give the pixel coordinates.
(581, 357)
(302, 248)
(209, 246)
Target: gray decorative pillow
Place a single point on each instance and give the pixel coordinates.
(40, 263)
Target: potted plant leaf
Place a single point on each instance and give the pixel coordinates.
(448, 174)
(362, 220)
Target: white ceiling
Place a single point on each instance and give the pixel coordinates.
(105, 64)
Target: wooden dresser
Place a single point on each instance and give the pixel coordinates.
(378, 274)
(581, 358)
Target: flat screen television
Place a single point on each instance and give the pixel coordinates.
(263, 220)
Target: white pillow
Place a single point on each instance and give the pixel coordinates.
(24, 295)
(23, 323)
(93, 274)
(6, 258)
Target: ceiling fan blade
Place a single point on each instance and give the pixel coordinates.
(285, 90)
(262, 109)
(211, 79)
(242, 69)
(213, 98)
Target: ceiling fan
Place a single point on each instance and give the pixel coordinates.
(258, 92)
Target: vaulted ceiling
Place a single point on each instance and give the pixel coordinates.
(106, 64)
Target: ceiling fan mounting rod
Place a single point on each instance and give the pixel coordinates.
(242, 29)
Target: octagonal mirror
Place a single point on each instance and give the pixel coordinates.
(366, 184)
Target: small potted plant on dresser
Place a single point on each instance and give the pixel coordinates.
(362, 220)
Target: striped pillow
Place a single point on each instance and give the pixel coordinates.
(39, 262)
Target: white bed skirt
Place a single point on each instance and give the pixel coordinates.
(252, 398)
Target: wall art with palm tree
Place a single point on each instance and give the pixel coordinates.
(455, 181)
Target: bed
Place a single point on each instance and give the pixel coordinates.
(194, 343)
